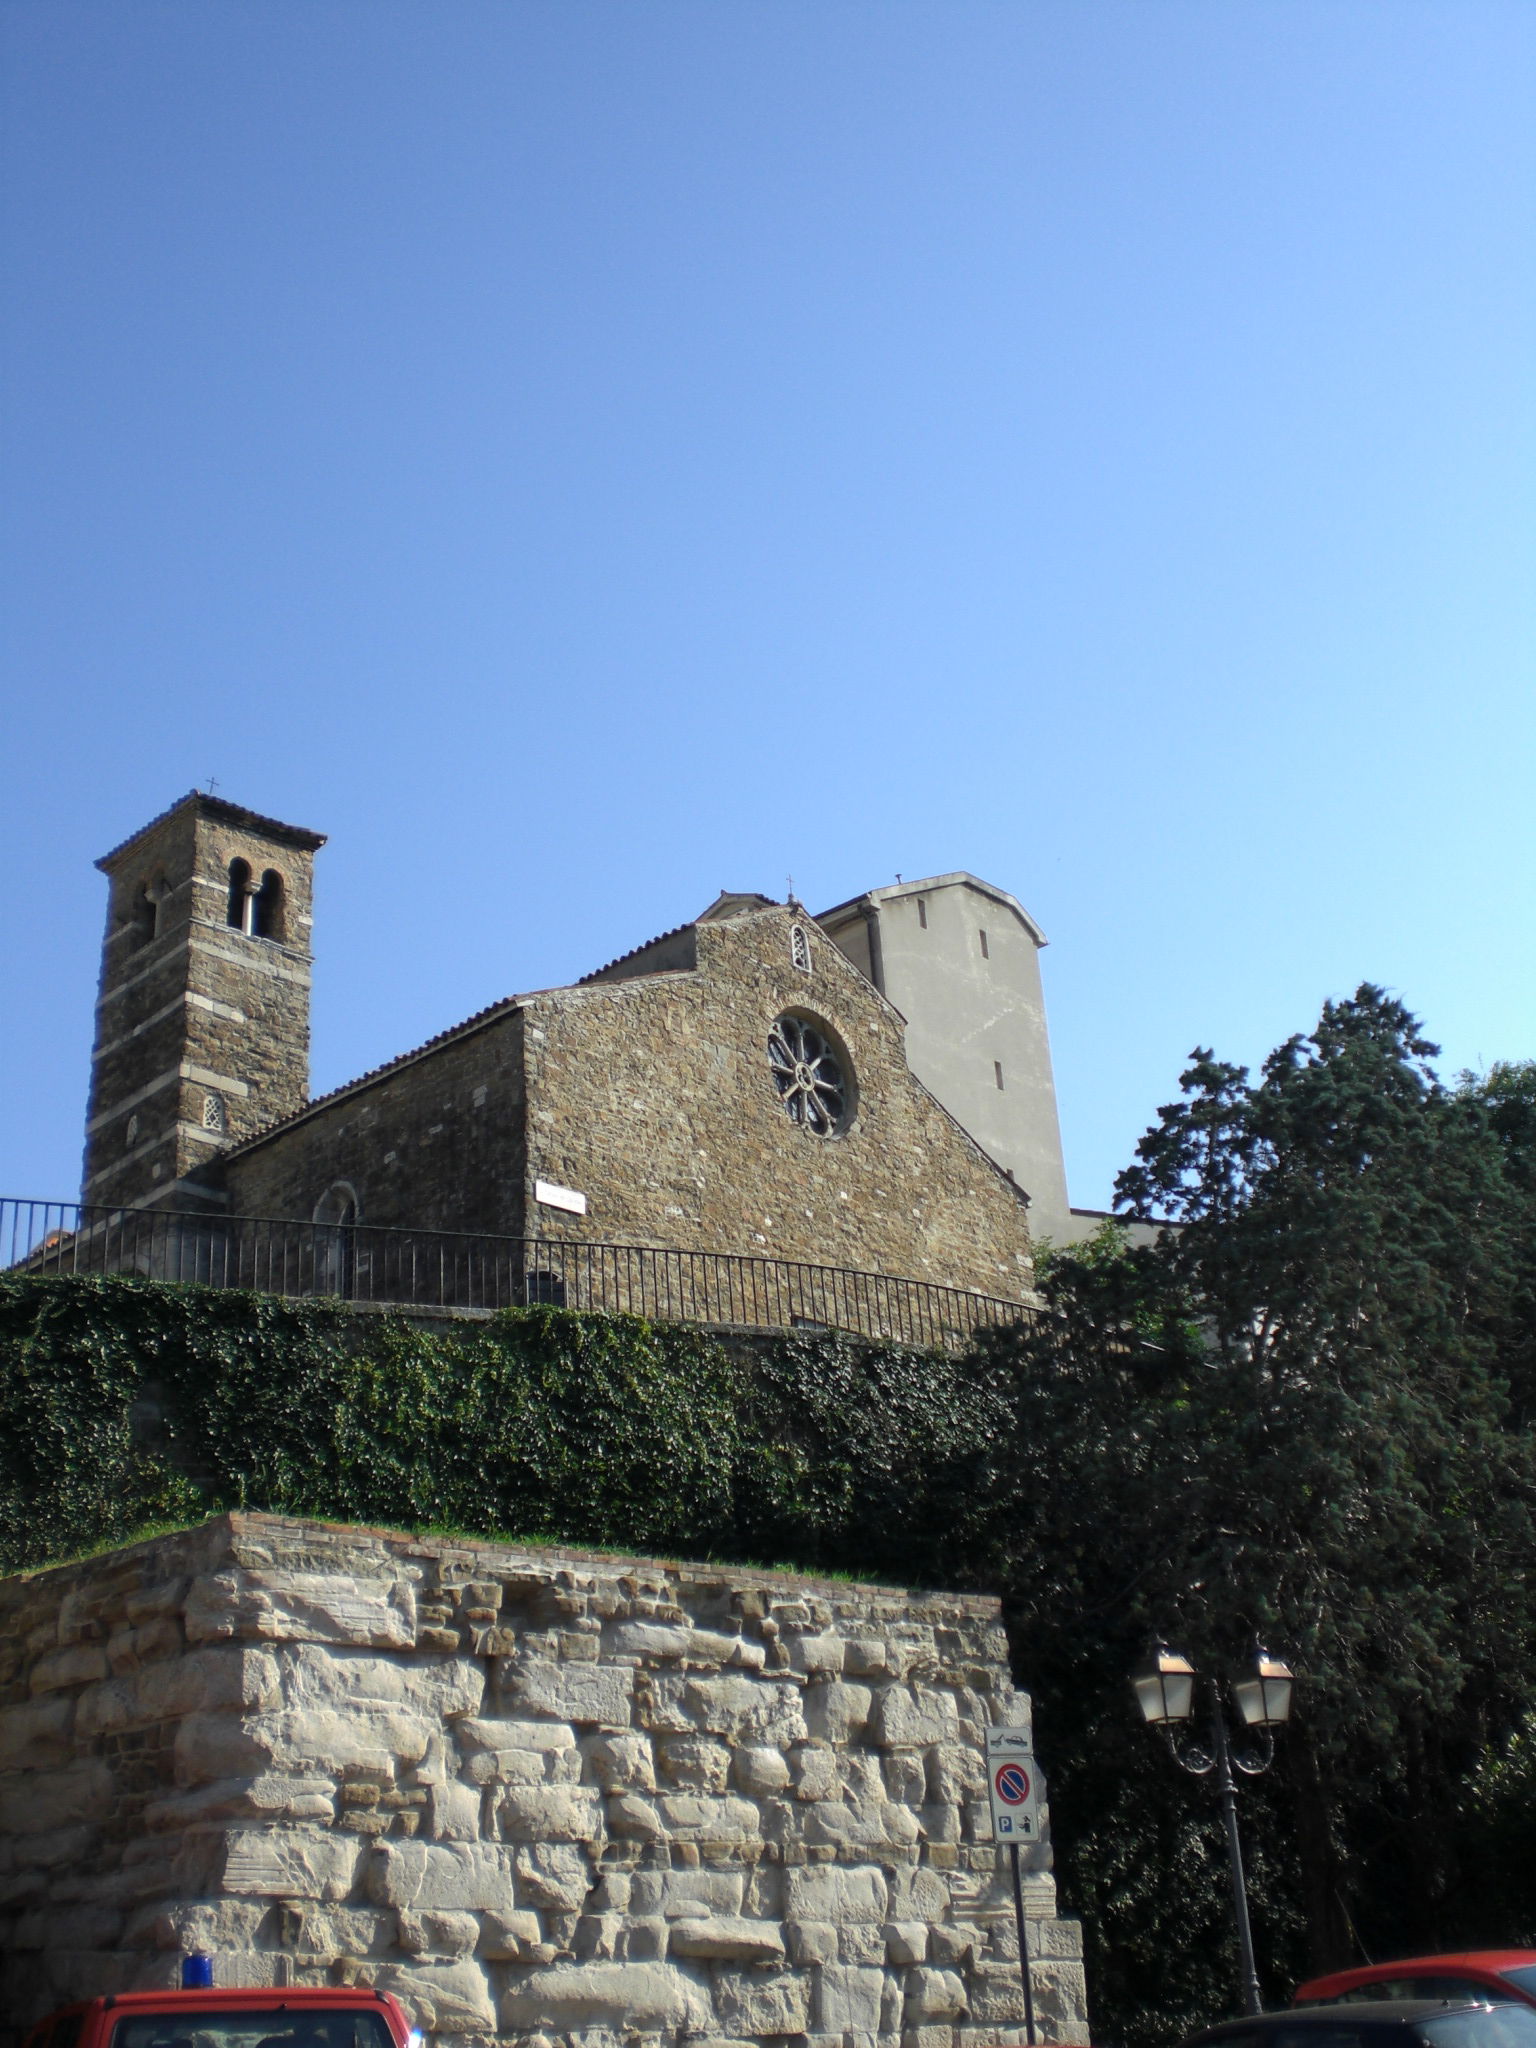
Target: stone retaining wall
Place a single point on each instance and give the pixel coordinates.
(542, 1795)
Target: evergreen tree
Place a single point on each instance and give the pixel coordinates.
(1290, 1418)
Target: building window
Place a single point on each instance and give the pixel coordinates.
(986, 951)
(145, 912)
(337, 1205)
(997, 1070)
(808, 1076)
(800, 948)
(267, 908)
(215, 1117)
(922, 912)
(336, 1240)
(238, 913)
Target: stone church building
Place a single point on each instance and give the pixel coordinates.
(869, 1089)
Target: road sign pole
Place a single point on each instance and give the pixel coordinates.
(1018, 1912)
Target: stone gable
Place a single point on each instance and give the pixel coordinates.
(655, 1098)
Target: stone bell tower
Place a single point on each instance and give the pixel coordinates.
(202, 1027)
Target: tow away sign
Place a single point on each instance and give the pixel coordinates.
(1014, 1785)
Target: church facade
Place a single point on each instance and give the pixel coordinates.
(758, 1082)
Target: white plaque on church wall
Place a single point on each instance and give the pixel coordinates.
(556, 1197)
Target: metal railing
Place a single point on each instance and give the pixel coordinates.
(457, 1269)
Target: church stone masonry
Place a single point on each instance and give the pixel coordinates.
(659, 1091)
(202, 1026)
(545, 1796)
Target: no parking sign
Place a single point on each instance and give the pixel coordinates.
(1014, 1785)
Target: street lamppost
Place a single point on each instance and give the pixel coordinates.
(1165, 1683)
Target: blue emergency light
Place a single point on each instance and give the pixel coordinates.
(197, 1973)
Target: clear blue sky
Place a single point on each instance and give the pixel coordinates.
(582, 455)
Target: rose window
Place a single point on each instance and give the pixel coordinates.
(807, 1075)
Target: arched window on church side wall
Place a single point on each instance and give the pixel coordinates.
(335, 1252)
(267, 919)
(239, 893)
(338, 1204)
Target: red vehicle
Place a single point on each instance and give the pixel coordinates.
(286, 2017)
(1503, 1976)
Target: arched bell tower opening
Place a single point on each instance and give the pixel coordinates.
(202, 1029)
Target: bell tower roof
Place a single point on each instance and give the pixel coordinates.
(216, 809)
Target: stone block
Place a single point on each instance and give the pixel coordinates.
(507, 1767)
(44, 1802)
(862, 1825)
(905, 1777)
(814, 1767)
(657, 1643)
(836, 1712)
(291, 1863)
(759, 1771)
(693, 1763)
(811, 1941)
(509, 1937)
(453, 1812)
(437, 1934)
(695, 1817)
(871, 1657)
(203, 1681)
(996, 1995)
(919, 1894)
(589, 1695)
(328, 1931)
(830, 1892)
(36, 1734)
(371, 1737)
(762, 2002)
(75, 1664)
(554, 1876)
(443, 1998)
(848, 1998)
(819, 1656)
(751, 1711)
(265, 1796)
(958, 1946)
(728, 1939)
(327, 1675)
(912, 1716)
(906, 1941)
(441, 1876)
(539, 1738)
(285, 1606)
(857, 1942)
(620, 1762)
(933, 1995)
(549, 1813)
(688, 1894)
(956, 1771)
(630, 1998)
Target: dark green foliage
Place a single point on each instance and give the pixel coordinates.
(1308, 1436)
(117, 1395)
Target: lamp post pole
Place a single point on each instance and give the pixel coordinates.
(1226, 1785)
(1165, 1690)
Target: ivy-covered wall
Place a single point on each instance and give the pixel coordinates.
(125, 1403)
